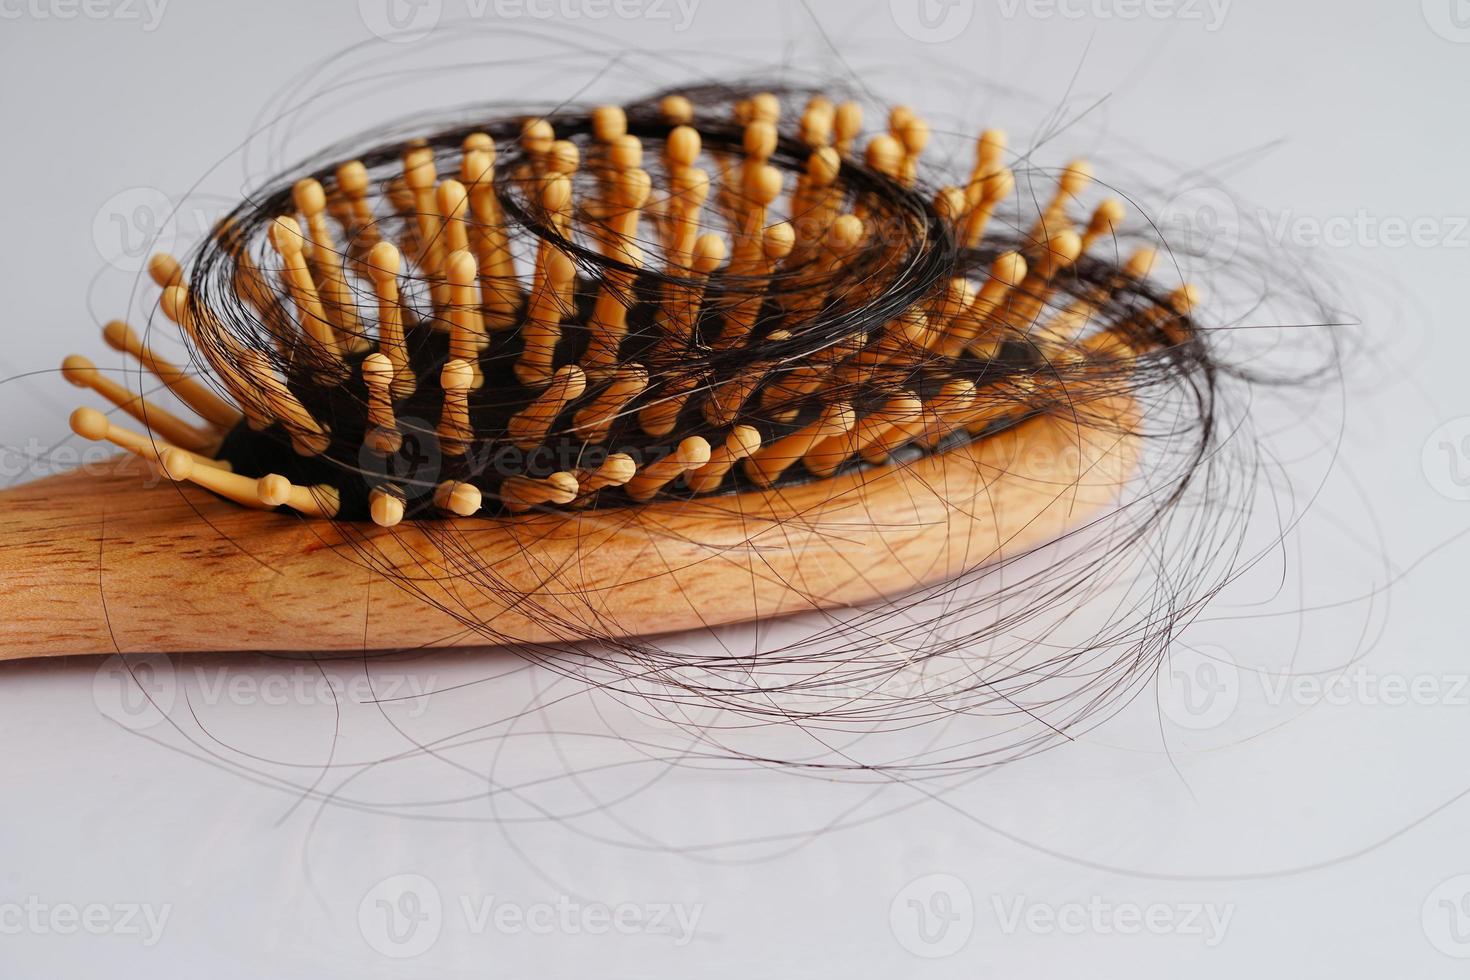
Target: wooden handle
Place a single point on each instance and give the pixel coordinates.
(105, 563)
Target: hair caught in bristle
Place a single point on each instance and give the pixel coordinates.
(638, 282)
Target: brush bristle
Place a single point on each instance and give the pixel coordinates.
(601, 307)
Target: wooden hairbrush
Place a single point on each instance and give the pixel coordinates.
(600, 373)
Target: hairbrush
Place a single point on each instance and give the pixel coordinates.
(706, 358)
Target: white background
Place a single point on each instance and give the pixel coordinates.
(1326, 835)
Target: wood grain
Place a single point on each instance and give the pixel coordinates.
(100, 563)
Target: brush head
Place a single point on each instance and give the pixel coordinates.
(561, 310)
